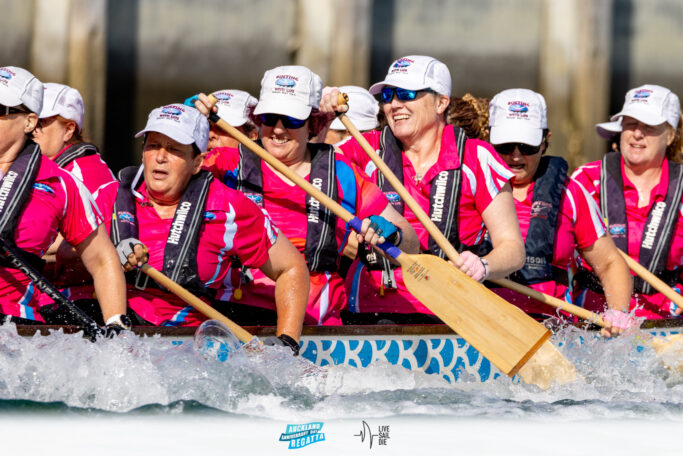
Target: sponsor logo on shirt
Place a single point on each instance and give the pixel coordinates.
(540, 209)
(617, 230)
(126, 217)
(177, 226)
(7, 183)
(209, 216)
(439, 196)
(44, 188)
(651, 230)
(314, 215)
(392, 197)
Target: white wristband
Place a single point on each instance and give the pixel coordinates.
(485, 262)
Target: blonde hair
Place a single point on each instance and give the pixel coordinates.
(471, 114)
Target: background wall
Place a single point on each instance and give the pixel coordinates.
(129, 56)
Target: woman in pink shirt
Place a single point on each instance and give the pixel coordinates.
(38, 200)
(462, 184)
(61, 138)
(556, 214)
(640, 191)
(288, 115)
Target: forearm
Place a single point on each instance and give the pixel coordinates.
(291, 298)
(506, 258)
(110, 288)
(617, 282)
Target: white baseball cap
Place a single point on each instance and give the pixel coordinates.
(517, 116)
(289, 90)
(18, 86)
(180, 123)
(363, 109)
(417, 72)
(607, 130)
(652, 105)
(62, 100)
(235, 106)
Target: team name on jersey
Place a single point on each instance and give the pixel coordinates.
(439, 196)
(651, 231)
(177, 227)
(7, 183)
(314, 214)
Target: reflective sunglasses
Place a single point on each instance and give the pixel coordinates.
(270, 120)
(7, 110)
(524, 149)
(387, 94)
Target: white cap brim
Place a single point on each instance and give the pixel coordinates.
(9, 99)
(403, 84)
(291, 109)
(164, 129)
(513, 133)
(235, 121)
(648, 118)
(606, 130)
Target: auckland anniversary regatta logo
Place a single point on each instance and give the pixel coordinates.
(301, 435)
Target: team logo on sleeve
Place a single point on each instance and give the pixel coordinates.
(209, 216)
(256, 198)
(44, 188)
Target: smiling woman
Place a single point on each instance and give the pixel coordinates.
(640, 189)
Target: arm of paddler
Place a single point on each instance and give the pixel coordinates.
(500, 219)
(616, 280)
(102, 262)
(287, 268)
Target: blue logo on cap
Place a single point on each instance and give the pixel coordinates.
(5, 74)
(643, 93)
(402, 63)
(518, 107)
(171, 111)
(223, 96)
(284, 82)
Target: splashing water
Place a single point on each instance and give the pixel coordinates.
(133, 374)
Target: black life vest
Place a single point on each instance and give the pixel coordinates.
(661, 221)
(321, 251)
(15, 190)
(180, 253)
(540, 239)
(75, 151)
(444, 198)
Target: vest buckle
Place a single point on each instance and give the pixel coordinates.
(141, 284)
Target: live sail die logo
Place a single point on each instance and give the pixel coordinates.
(366, 435)
(301, 435)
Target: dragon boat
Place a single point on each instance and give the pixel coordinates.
(433, 349)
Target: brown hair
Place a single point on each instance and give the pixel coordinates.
(471, 114)
(674, 151)
(78, 136)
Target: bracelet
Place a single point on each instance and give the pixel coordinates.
(485, 262)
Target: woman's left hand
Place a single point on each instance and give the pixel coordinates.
(376, 230)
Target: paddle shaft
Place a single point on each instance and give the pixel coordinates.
(653, 280)
(450, 251)
(90, 328)
(241, 333)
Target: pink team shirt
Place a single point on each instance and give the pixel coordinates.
(286, 204)
(98, 179)
(483, 175)
(649, 306)
(579, 225)
(58, 203)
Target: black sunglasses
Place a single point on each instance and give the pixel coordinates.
(7, 110)
(524, 149)
(270, 120)
(387, 94)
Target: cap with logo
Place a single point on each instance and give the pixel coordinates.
(417, 72)
(235, 106)
(62, 100)
(289, 90)
(652, 105)
(517, 116)
(19, 87)
(363, 109)
(181, 123)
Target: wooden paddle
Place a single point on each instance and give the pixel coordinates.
(653, 280)
(242, 334)
(502, 333)
(548, 365)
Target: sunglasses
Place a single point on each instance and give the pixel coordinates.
(7, 110)
(270, 120)
(387, 94)
(524, 149)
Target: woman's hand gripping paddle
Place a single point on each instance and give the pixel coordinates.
(545, 367)
(499, 331)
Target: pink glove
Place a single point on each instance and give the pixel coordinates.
(473, 266)
(619, 319)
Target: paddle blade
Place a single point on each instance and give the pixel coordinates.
(547, 367)
(501, 332)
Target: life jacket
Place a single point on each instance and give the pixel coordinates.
(321, 250)
(180, 253)
(15, 190)
(540, 239)
(661, 221)
(443, 206)
(74, 152)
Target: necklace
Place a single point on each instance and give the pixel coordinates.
(418, 178)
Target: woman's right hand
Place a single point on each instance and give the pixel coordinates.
(329, 102)
(132, 254)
